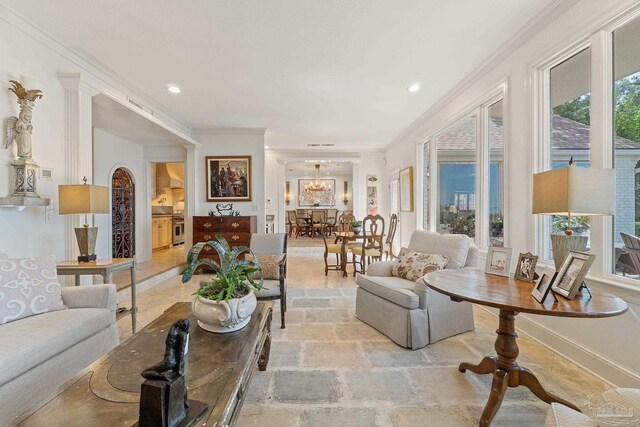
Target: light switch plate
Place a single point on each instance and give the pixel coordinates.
(49, 212)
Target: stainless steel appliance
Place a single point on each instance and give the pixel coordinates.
(178, 229)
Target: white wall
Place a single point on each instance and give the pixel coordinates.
(232, 143)
(110, 153)
(614, 341)
(26, 233)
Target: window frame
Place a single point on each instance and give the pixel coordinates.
(479, 108)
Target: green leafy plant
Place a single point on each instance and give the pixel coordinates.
(234, 276)
(356, 223)
(579, 224)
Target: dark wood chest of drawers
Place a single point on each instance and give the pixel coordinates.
(236, 229)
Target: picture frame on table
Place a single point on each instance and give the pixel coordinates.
(542, 285)
(498, 261)
(526, 267)
(228, 178)
(572, 273)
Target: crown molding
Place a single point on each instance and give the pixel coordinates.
(98, 75)
(229, 131)
(531, 28)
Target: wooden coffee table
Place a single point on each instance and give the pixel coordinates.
(513, 297)
(219, 372)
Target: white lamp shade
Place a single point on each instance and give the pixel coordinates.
(83, 199)
(574, 190)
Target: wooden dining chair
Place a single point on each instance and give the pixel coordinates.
(302, 225)
(318, 222)
(292, 222)
(344, 222)
(372, 246)
(332, 220)
(332, 248)
(393, 225)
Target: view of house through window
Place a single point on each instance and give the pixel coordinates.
(570, 88)
(626, 146)
(496, 175)
(456, 153)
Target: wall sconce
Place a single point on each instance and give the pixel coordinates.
(287, 193)
(345, 198)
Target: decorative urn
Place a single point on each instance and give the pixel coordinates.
(224, 316)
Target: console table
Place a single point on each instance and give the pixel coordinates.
(105, 268)
(512, 297)
(219, 371)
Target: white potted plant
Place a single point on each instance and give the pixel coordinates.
(226, 302)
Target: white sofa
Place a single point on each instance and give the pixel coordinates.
(40, 353)
(409, 313)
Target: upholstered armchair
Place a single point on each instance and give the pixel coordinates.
(409, 313)
(274, 289)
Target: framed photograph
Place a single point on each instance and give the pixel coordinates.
(228, 178)
(526, 267)
(406, 189)
(543, 285)
(573, 271)
(498, 261)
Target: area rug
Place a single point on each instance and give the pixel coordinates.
(329, 369)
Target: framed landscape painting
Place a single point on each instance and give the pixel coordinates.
(228, 178)
(406, 189)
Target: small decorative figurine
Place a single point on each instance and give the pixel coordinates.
(163, 397)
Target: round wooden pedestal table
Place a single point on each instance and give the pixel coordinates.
(512, 297)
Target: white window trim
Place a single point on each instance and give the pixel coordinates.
(479, 108)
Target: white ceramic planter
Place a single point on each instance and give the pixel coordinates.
(224, 316)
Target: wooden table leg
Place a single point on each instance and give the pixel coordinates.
(266, 347)
(506, 371)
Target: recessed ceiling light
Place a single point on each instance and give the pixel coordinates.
(266, 147)
(414, 87)
(173, 89)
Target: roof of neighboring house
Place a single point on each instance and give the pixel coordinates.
(566, 134)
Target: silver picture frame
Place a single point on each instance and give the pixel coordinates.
(572, 273)
(498, 261)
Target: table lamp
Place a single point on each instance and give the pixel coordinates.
(573, 191)
(84, 199)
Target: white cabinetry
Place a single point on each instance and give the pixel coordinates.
(161, 232)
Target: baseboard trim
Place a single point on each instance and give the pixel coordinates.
(601, 367)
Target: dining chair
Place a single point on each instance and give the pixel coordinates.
(302, 225)
(344, 222)
(332, 220)
(393, 225)
(332, 248)
(372, 246)
(292, 222)
(318, 222)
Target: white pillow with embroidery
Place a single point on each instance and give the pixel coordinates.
(412, 265)
(28, 286)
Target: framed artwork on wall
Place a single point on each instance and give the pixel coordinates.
(406, 189)
(323, 196)
(372, 195)
(228, 178)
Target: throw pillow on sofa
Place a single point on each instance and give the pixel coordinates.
(28, 286)
(412, 265)
(269, 266)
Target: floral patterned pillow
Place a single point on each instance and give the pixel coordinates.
(28, 286)
(269, 265)
(412, 265)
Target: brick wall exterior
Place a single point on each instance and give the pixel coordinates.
(624, 220)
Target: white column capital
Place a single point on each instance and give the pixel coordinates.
(77, 81)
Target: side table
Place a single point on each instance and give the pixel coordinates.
(104, 267)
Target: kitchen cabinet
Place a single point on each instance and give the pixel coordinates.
(161, 232)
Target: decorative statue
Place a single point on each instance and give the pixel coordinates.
(163, 397)
(19, 128)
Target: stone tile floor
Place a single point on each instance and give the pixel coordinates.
(328, 368)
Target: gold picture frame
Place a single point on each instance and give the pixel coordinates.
(406, 189)
(526, 267)
(221, 188)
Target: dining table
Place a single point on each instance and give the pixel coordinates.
(346, 237)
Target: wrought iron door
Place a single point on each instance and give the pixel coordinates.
(123, 214)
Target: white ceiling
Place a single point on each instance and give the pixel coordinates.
(326, 168)
(309, 71)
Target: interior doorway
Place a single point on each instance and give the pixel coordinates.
(123, 214)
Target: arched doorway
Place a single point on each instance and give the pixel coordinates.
(123, 214)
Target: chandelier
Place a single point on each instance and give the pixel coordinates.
(317, 185)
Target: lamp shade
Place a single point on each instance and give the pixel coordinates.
(574, 191)
(83, 199)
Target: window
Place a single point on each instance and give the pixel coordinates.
(626, 144)
(496, 175)
(570, 116)
(456, 154)
(425, 185)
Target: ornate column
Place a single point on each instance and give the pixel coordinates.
(78, 136)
